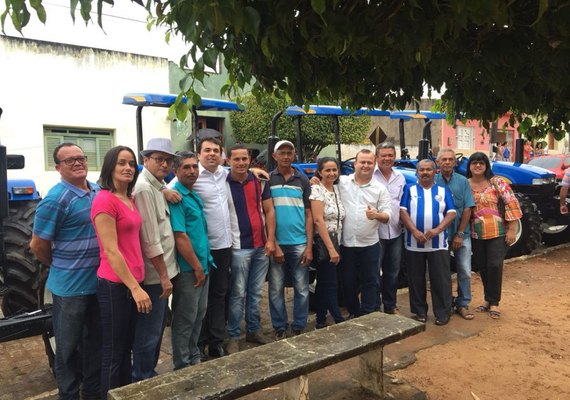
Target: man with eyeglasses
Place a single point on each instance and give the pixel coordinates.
(64, 239)
(158, 246)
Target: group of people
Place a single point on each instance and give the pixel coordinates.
(501, 151)
(119, 248)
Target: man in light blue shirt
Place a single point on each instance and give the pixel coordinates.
(459, 233)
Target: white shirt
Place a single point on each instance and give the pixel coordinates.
(358, 230)
(395, 185)
(212, 189)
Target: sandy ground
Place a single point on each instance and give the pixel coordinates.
(524, 355)
(521, 356)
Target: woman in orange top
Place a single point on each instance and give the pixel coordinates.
(491, 232)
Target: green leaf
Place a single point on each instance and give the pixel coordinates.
(542, 7)
(265, 47)
(210, 57)
(40, 10)
(319, 6)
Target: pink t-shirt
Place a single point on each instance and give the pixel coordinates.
(128, 224)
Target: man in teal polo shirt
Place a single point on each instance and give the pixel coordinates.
(190, 292)
(458, 231)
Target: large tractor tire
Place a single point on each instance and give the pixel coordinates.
(22, 269)
(529, 230)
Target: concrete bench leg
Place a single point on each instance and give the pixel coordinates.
(296, 389)
(371, 375)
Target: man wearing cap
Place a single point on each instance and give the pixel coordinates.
(290, 191)
(158, 246)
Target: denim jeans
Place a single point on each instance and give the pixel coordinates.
(390, 258)
(118, 320)
(189, 305)
(214, 324)
(326, 292)
(249, 270)
(359, 266)
(148, 335)
(299, 275)
(463, 266)
(77, 328)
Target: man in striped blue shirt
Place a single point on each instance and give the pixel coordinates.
(426, 210)
(290, 191)
(64, 239)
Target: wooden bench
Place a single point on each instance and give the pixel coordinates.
(288, 360)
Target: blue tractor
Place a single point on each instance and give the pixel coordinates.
(20, 271)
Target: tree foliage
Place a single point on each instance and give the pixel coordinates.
(254, 125)
(491, 56)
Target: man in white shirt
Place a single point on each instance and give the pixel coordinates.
(391, 234)
(212, 188)
(367, 205)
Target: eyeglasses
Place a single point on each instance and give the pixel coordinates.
(478, 163)
(160, 160)
(71, 161)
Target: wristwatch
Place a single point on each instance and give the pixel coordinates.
(460, 234)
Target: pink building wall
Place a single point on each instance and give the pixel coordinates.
(468, 137)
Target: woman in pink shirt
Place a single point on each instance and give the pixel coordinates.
(117, 224)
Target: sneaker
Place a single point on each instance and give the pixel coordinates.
(255, 338)
(233, 346)
(296, 332)
(279, 335)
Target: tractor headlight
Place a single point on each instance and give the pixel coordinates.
(543, 181)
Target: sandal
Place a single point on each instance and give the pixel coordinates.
(495, 314)
(464, 313)
(483, 308)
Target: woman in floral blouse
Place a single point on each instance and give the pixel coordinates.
(492, 230)
(328, 213)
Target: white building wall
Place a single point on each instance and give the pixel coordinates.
(43, 83)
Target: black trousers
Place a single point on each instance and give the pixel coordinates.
(214, 323)
(489, 256)
(437, 263)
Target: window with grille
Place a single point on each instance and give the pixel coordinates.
(94, 142)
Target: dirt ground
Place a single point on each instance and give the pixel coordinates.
(521, 356)
(524, 355)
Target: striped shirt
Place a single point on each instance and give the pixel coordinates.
(63, 217)
(290, 199)
(246, 212)
(427, 209)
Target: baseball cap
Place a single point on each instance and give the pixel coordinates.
(282, 143)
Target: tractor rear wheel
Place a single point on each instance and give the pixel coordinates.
(22, 269)
(529, 230)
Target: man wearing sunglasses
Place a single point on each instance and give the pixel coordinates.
(157, 243)
(64, 239)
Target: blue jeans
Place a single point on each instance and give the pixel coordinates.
(77, 328)
(189, 305)
(148, 335)
(390, 258)
(463, 266)
(300, 278)
(118, 320)
(359, 266)
(249, 270)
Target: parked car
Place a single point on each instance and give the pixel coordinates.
(556, 163)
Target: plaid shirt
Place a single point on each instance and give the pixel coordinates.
(486, 221)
